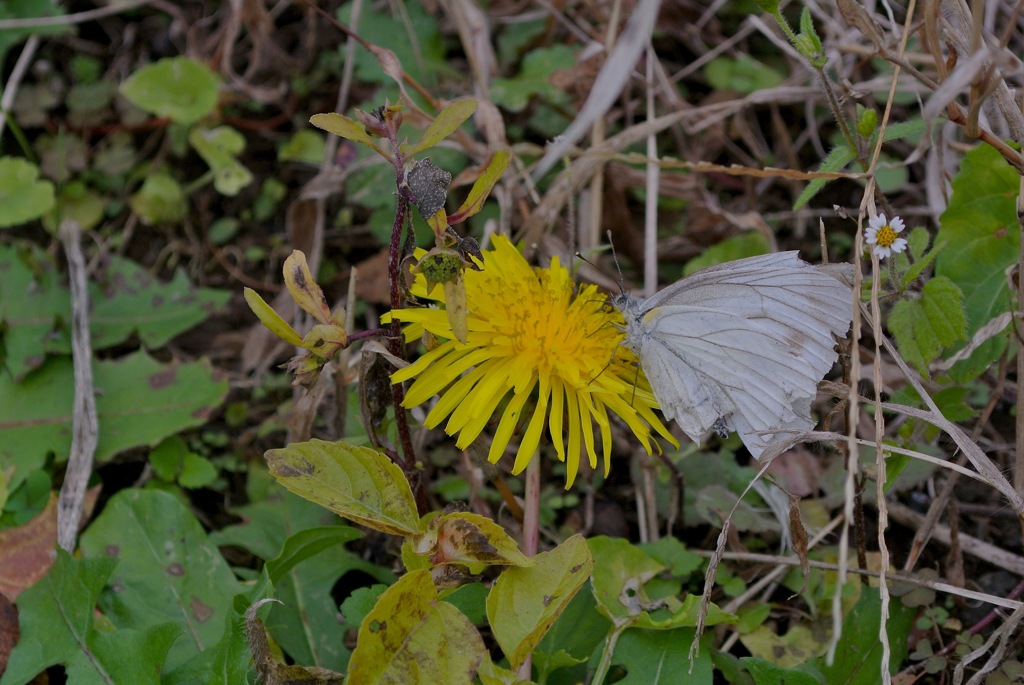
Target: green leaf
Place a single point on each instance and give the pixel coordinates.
(924, 327)
(306, 544)
(160, 200)
(681, 562)
(766, 673)
(166, 572)
(918, 267)
(178, 88)
(534, 79)
(982, 237)
(219, 148)
(412, 637)
(305, 146)
(139, 402)
(28, 9)
(837, 159)
(742, 74)
(357, 483)
(525, 602)
(482, 188)
(56, 618)
(858, 660)
(411, 32)
(618, 565)
(747, 244)
(35, 307)
(23, 196)
(306, 624)
(229, 662)
(77, 202)
(659, 657)
(446, 123)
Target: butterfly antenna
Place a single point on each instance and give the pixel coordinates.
(618, 268)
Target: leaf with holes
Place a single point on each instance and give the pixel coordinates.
(525, 602)
(399, 639)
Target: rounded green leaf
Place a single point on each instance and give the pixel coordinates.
(412, 637)
(357, 483)
(525, 602)
(23, 196)
(178, 88)
(161, 200)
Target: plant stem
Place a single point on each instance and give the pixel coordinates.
(395, 341)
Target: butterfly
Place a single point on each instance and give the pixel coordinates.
(741, 346)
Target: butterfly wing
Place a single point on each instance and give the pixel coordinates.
(743, 344)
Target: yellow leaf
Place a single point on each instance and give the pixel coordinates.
(303, 288)
(341, 125)
(271, 319)
(357, 483)
(482, 188)
(455, 305)
(410, 636)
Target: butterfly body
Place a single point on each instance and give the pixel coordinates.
(741, 346)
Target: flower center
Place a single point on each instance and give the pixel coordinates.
(885, 236)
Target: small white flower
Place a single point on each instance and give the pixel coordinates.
(884, 235)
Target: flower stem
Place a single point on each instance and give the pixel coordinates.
(531, 531)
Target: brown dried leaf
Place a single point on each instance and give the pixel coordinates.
(26, 552)
(799, 536)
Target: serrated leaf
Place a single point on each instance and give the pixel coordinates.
(836, 160)
(271, 319)
(179, 88)
(412, 637)
(166, 572)
(918, 267)
(982, 237)
(482, 187)
(57, 628)
(918, 240)
(23, 195)
(138, 400)
(357, 483)
(525, 602)
(924, 327)
(446, 123)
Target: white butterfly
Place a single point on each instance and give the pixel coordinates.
(742, 345)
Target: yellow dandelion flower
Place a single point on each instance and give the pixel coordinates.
(534, 334)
